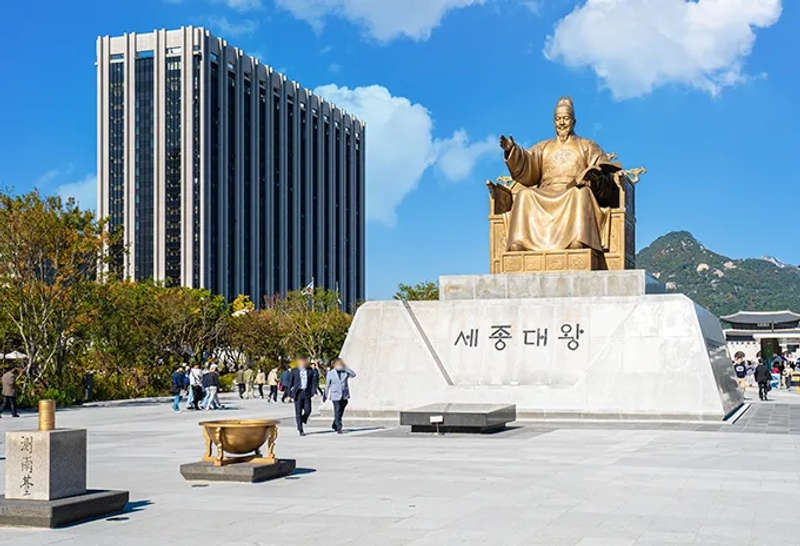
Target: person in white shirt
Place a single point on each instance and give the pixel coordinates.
(196, 384)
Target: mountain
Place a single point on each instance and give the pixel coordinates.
(721, 284)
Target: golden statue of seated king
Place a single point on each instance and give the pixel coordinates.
(568, 205)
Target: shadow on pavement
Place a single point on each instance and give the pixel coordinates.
(136, 506)
(362, 429)
(132, 506)
(295, 475)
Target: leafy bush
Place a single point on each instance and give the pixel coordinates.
(226, 382)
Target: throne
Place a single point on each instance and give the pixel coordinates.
(621, 251)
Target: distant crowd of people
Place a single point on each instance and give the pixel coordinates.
(778, 371)
(298, 385)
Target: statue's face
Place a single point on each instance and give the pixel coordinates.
(564, 121)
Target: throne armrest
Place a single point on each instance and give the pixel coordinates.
(501, 198)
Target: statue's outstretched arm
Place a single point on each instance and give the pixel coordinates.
(524, 165)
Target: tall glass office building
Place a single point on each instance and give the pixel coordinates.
(223, 174)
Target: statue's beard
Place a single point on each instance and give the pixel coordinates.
(563, 134)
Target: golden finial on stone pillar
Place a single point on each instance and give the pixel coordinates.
(47, 414)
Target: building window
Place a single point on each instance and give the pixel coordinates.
(116, 162)
(358, 219)
(292, 195)
(232, 220)
(247, 175)
(348, 216)
(316, 247)
(143, 250)
(303, 196)
(326, 225)
(214, 203)
(196, 170)
(276, 194)
(172, 180)
(262, 187)
(337, 212)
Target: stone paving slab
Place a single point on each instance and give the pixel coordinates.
(538, 483)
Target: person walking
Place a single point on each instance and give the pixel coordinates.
(196, 385)
(318, 374)
(285, 377)
(176, 387)
(740, 370)
(302, 390)
(211, 382)
(763, 377)
(272, 383)
(239, 380)
(187, 371)
(9, 392)
(248, 377)
(751, 369)
(338, 390)
(206, 392)
(261, 378)
(786, 376)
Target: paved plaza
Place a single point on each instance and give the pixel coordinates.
(600, 483)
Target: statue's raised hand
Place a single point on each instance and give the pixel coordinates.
(507, 143)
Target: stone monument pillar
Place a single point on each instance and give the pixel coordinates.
(45, 479)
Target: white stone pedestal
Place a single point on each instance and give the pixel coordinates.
(45, 465)
(633, 357)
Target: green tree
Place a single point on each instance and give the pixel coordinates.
(422, 291)
(50, 254)
(313, 324)
(190, 322)
(256, 335)
(242, 303)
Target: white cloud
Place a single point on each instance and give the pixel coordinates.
(456, 157)
(84, 191)
(243, 5)
(238, 5)
(535, 6)
(223, 27)
(47, 177)
(382, 19)
(400, 146)
(635, 46)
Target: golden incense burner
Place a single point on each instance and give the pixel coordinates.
(240, 436)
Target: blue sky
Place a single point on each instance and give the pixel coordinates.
(704, 94)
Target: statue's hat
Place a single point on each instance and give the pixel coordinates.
(566, 102)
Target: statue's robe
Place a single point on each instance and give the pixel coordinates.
(552, 212)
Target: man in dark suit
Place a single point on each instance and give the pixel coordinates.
(303, 383)
(763, 376)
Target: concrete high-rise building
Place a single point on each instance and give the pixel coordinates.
(222, 173)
